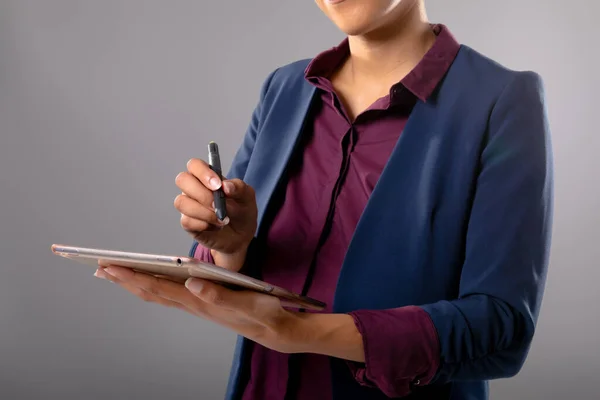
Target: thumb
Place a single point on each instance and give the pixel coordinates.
(239, 191)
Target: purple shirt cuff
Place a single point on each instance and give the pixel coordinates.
(401, 349)
(203, 254)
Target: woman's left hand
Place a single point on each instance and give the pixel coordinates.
(256, 316)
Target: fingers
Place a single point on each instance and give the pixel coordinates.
(194, 226)
(192, 187)
(239, 191)
(196, 214)
(151, 288)
(202, 171)
(253, 305)
(139, 292)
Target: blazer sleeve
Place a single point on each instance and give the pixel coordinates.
(487, 331)
(244, 152)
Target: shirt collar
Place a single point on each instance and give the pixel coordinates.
(421, 81)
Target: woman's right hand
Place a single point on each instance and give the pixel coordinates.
(228, 240)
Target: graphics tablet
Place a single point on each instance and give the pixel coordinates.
(181, 268)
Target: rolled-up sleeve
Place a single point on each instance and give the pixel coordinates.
(401, 349)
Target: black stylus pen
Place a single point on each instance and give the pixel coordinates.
(214, 161)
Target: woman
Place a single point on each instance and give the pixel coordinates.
(403, 179)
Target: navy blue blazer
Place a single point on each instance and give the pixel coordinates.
(459, 222)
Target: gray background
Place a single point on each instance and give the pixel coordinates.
(103, 102)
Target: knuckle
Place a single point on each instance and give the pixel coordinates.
(199, 226)
(196, 166)
(178, 202)
(211, 296)
(180, 178)
(153, 288)
(147, 297)
(190, 224)
(185, 222)
(191, 163)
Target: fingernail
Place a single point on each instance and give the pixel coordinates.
(225, 221)
(110, 271)
(188, 163)
(228, 187)
(214, 183)
(193, 285)
(101, 274)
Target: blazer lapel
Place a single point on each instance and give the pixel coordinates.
(277, 140)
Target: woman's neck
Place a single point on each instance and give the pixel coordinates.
(391, 52)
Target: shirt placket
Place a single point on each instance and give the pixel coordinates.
(324, 227)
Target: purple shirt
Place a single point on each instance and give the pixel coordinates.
(329, 184)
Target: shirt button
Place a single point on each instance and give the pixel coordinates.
(417, 382)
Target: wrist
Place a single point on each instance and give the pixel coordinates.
(334, 335)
